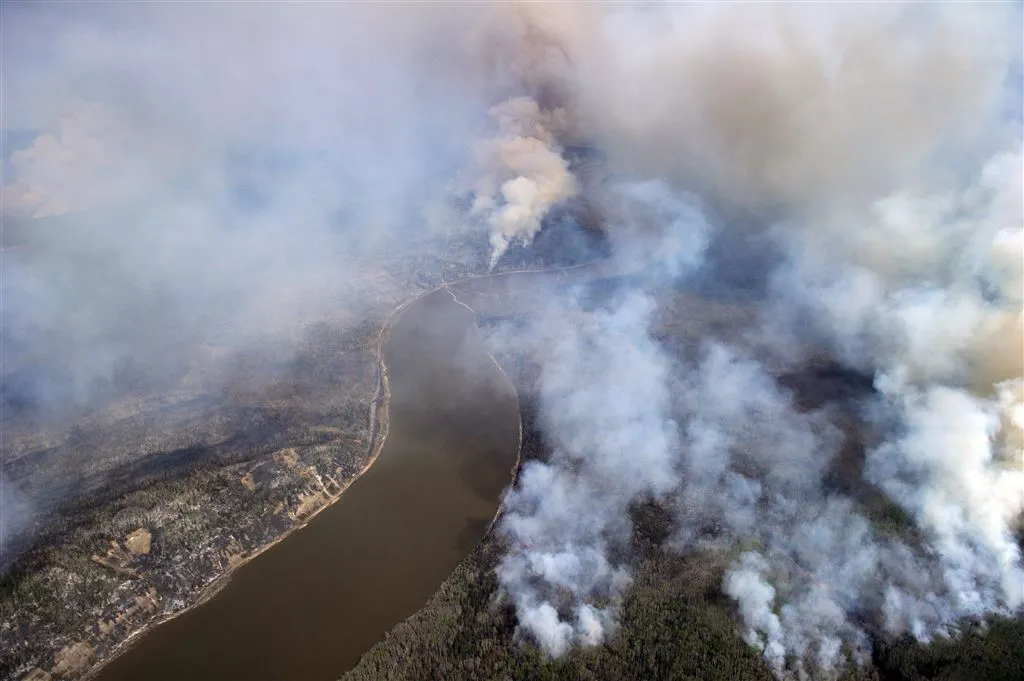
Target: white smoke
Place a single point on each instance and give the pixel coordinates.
(936, 315)
(872, 153)
(878, 153)
(943, 470)
(753, 468)
(522, 173)
(606, 404)
(564, 513)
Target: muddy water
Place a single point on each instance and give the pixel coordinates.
(311, 605)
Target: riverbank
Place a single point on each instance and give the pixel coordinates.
(175, 494)
(379, 424)
(311, 606)
(514, 473)
(222, 543)
(381, 420)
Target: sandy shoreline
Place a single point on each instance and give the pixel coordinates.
(379, 422)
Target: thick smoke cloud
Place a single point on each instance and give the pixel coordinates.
(877, 150)
(522, 173)
(565, 513)
(186, 186)
(190, 177)
(218, 174)
(607, 407)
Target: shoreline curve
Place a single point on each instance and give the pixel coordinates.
(379, 423)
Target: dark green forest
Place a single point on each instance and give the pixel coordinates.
(675, 625)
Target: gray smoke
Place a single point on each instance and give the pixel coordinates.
(184, 186)
(821, 570)
(189, 177)
(877, 152)
(17, 510)
(214, 176)
(565, 512)
(521, 173)
(606, 405)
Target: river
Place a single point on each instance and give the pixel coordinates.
(308, 607)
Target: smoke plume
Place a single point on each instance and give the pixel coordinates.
(182, 187)
(875, 152)
(218, 175)
(522, 173)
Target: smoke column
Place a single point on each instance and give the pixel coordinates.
(522, 174)
(877, 152)
(188, 176)
(606, 405)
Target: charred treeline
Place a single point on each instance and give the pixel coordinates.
(675, 622)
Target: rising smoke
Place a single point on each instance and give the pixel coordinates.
(878, 150)
(196, 164)
(522, 173)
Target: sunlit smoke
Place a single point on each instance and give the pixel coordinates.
(191, 179)
(878, 153)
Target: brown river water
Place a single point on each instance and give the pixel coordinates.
(308, 607)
